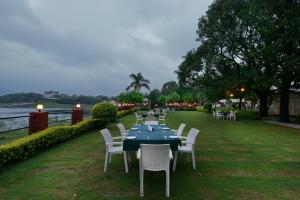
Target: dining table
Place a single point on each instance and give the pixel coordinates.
(154, 134)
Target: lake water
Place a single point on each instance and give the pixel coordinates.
(55, 114)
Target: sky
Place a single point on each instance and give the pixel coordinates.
(91, 47)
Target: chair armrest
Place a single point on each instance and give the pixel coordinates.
(124, 134)
(186, 142)
(174, 130)
(183, 137)
(113, 143)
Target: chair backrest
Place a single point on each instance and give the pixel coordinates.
(155, 157)
(151, 122)
(180, 129)
(121, 128)
(107, 138)
(191, 137)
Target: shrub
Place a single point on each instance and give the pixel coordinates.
(124, 112)
(104, 111)
(201, 109)
(208, 107)
(298, 119)
(247, 114)
(25, 147)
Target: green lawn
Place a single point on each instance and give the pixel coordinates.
(235, 160)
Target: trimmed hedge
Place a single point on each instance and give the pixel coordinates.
(124, 112)
(247, 114)
(25, 147)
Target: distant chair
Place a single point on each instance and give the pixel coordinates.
(214, 114)
(123, 131)
(111, 149)
(189, 147)
(219, 115)
(154, 157)
(162, 118)
(231, 116)
(151, 123)
(179, 131)
(139, 118)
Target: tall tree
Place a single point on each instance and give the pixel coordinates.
(138, 82)
(169, 87)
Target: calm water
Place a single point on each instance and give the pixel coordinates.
(8, 124)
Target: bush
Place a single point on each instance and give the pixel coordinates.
(298, 119)
(105, 111)
(201, 109)
(208, 107)
(124, 112)
(23, 148)
(247, 114)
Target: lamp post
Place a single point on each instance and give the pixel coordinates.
(241, 91)
(38, 121)
(77, 114)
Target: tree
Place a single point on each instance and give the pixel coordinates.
(131, 97)
(153, 97)
(173, 98)
(138, 82)
(169, 87)
(162, 100)
(188, 98)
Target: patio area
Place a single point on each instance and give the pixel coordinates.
(243, 159)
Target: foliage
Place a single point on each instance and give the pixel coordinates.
(153, 97)
(125, 112)
(247, 114)
(138, 82)
(131, 97)
(208, 107)
(21, 98)
(169, 87)
(201, 109)
(23, 148)
(174, 97)
(162, 100)
(188, 98)
(104, 111)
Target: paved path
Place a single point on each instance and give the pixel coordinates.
(283, 124)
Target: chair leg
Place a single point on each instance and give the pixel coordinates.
(105, 163)
(175, 161)
(125, 161)
(141, 182)
(109, 158)
(167, 183)
(193, 158)
(128, 156)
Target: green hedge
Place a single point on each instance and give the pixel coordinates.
(124, 112)
(247, 114)
(23, 148)
(105, 111)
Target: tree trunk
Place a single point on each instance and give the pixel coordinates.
(284, 101)
(263, 105)
(240, 103)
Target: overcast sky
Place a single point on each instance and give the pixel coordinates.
(91, 47)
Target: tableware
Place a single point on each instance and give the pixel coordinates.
(173, 136)
(163, 124)
(130, 137)
(134, 129)
(165, 128)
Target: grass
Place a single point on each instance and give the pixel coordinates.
(11, 136)
(235, 160)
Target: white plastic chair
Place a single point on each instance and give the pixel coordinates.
(154, 157)
(219, 115)
(123, 131)
(231, 116)
(150, 123)
(138, 118)
(214, 114)
(189, 147)
(111, 149)
(179, 131)
(162, 118)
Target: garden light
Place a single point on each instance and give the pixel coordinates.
(40, 107)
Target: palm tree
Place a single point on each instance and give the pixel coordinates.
(138, 82)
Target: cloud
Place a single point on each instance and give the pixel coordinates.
(91, 47)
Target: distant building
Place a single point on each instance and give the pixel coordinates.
(294, 103)
(51, 94)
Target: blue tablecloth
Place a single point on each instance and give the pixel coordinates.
(157, 136)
